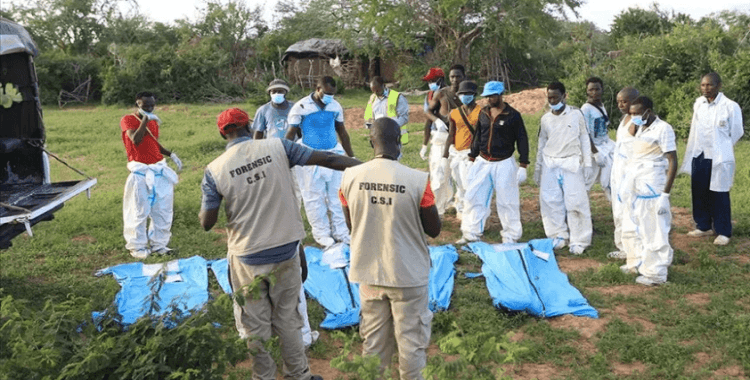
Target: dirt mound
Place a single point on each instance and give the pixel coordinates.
(525, 102)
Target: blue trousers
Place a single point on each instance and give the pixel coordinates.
(711, 209)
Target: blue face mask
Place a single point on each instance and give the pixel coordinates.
(386, 92)
(278, 98)
(557, 106)
(327, 99)
(466, 99)
(434, 86)
(638, 120)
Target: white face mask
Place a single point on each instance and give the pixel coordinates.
(278, 98)
(557, 107)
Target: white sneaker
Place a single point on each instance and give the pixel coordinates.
(577, 249)
(465, 240)
(619, 255)
(561, 243)
(698, 233)
(140, 253)
(721, 240)
(326, 241)
(648, 281)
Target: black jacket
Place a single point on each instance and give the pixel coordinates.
(496, 139)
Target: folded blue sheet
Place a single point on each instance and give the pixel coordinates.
(185, 288)
(525, 277)
(340, 299)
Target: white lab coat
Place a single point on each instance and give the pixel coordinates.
(724, 119)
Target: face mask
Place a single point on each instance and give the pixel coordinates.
(638, 120)
(557, 106)
(434, 86)
(278, 98)
(386, 92)
(327, 99)
(466, 99)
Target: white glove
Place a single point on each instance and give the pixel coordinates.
(664, 207)
(538, 174)
(149, 115)
(589, 174)
(521, 175)
(176, 161)
(600, 159)
(423, 152)
(440, 125)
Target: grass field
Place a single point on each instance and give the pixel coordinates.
(695, 327)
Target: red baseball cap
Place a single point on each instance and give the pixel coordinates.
(433, 74)
(234, 116)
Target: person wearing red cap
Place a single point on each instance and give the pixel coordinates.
(438, 106)
(149, 189)
(264, 228)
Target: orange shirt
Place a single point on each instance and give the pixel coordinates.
(463, 134)
(147, 152)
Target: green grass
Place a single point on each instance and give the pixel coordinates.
(662, 330)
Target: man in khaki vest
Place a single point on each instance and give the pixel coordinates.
(265, 229)
(387, 207)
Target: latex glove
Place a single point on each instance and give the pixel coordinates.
(423, 152)
(440, 125)
(589, 174)
(521, 175)
(149, 115)
(176, 161)
(538, 174)
(600, 159)
(663, 204)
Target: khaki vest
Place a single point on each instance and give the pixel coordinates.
(255, 180)
(388, 245)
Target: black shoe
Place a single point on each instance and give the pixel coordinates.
(316, 377)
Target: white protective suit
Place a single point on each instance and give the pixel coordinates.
(646, 232)
(597, 128)
(564, 150)
(483, 177)
(149, 193)
(319, 187)
(459, 171)
(623, 151)
(440, 179)
(714, 130)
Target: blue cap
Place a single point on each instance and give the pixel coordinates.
(493, 88)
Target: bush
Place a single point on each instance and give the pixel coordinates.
(58, 70)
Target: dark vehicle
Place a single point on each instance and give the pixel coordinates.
(27, 196)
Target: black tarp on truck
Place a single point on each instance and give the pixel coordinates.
(27, 196)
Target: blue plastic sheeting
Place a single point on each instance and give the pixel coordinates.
(332, 290)
(525, 277)
(185, 287)
(442, 274)
(220, 267)
(340, 299)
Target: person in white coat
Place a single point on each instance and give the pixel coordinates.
(709, 159)
(650, 170)
(320, 119)
(564, 151)
(149, 189)
(597, 123)
(623, 150)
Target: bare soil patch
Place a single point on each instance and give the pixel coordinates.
(575, 264)
(623, 369)
(529, 371)
(586, 327)
(621, 312)
(699, 299)
(732, 372)
(700, 360)
(83, 239)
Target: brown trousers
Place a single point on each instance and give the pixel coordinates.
(396, 317)
(275, 312)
